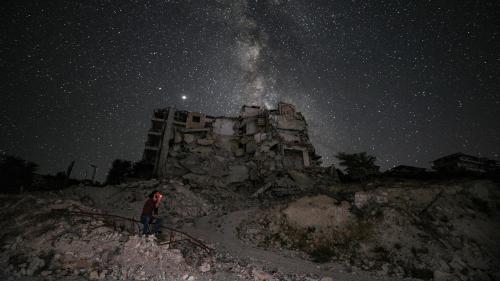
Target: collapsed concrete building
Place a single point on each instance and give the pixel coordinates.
(278, 137)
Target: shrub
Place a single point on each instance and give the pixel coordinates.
(16, 173)
(118, 172)
(358, 166)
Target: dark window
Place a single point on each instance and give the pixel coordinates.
(196, 119)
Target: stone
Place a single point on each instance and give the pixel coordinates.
(479, 275)
(205, 267)
(259, 275)
(384, 269)
(252, 231)
(237, 173)
(102, 275)
(326, 279)
(177, 137)
(188, 138)
(205, 141)
(301, 180)
(35, 264)
(94, 275)
(363, 198)
(284, 182)
(239, 152)
(191, 278)
(442, 276)
(262, 190)
(457, 264)
(202, 180)
(205, 151)
(176, 256)
(193, 164)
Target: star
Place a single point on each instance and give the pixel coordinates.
(380, 77)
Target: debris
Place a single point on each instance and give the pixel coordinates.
(205, 267)
(260, 275)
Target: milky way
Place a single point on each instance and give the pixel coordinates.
(406, 81)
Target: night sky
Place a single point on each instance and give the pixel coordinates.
(406, 81)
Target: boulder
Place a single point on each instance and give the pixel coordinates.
(443, 276)
(35, 264)
(177, 137)
(301, 180)
(203, 150)
(237, 173)
(188, 138)
(199, 179)
(205, 141)
(259, 275)
(94, 275)
(193, 163)
(205, 267)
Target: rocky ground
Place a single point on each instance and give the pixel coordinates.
(436, 231)
(380, 231)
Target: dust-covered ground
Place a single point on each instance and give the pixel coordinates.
(445, 231)
(409, 230)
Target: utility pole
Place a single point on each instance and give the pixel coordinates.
(68, 173)
(94, 167)
(160, 169)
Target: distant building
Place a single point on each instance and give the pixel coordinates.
(460, 162)
(491, 166)
(281, 132)
(406, 171)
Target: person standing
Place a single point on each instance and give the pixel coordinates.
(150, 213)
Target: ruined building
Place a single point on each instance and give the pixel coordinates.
(274, 139)
(460, 162)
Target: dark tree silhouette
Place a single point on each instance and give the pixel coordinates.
(119, 170)
(142, 169)
(16, 173)
(358, 166)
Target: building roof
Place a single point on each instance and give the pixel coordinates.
(456, 155)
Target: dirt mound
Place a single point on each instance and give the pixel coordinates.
(440, 232)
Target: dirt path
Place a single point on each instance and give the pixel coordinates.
(221, 231)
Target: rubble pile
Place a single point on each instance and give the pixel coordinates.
(53, 246)
(40, 242)
(181, 203)
(234, 156)
(438, 232)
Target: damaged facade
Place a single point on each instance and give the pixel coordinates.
(460, 162)
(276, 138)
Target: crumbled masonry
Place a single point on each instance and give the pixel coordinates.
(275, 138)
(265, 152)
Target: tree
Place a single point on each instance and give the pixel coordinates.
(119, 170)
(16, 173)
(358, 166)
(142, 169)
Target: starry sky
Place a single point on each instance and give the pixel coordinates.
(406, 81)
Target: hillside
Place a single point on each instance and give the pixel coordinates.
(389, 230)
